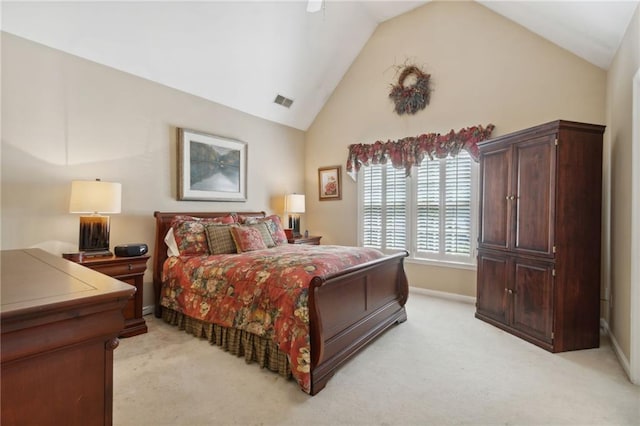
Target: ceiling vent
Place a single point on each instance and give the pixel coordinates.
(281, 100)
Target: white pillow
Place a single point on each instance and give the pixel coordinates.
(172, 245)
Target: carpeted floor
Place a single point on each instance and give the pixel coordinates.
(440, 367)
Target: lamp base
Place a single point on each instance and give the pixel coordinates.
(94, 234)
(295, 221)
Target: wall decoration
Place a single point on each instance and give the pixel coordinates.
(329, 185)
(412, 98)
(211, 168)
(410, 151)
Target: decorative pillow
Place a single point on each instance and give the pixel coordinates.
(276, 230)
(273, 225)
(220, 239)
(265, 233)
(190, 235)
(247, 238)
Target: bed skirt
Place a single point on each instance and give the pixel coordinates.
(238, 342)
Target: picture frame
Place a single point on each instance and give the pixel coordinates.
(330, 183)
(211, 168)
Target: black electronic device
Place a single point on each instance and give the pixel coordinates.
(130, 250)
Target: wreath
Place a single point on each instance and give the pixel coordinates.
(411, 99)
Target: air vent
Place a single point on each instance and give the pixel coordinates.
(281, 100)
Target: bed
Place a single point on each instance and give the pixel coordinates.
(344, 309)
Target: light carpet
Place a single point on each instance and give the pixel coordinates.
(441, 367)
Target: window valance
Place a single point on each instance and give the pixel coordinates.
(410, 151)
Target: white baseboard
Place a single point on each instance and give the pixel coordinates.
(616, 348)
(443, 295)
(147, 310)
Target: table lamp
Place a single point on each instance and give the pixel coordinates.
(94, 197)
(294, 205)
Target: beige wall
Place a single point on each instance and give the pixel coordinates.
(484, 68)
(65, 118)
(618, 161)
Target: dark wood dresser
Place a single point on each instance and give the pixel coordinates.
(539, 243)
(60, 323)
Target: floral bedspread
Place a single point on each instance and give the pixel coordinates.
(264, 292)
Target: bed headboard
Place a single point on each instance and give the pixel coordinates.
(163, 223)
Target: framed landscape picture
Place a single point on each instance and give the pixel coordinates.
(211, 168)
(329, 184)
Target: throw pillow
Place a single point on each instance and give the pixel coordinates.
(220, 239)
(265, 233)
(247, 238)
(276, 230)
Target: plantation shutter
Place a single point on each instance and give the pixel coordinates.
(395, 208)
(372, 207)
(384, 221)
(428, 207)
(457, 201)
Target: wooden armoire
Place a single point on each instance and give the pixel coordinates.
(539, 234)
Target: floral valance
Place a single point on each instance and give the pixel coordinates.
(410, 151)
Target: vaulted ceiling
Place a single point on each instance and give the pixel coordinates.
(243, 54)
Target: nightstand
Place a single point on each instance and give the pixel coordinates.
(311, 240)
(131, 271)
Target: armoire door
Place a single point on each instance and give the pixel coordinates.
(532, 299)
(534, 188)
(495, 180)
(493, 279)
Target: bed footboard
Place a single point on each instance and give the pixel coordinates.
(351, 308)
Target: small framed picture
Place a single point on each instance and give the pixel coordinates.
(211, 168)
(329, 183)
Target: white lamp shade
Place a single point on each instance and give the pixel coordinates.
(294, 203)
(94, 196)
(314, 5)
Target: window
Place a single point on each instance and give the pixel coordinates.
(431, 213)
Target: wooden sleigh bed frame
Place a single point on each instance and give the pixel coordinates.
(347, 310)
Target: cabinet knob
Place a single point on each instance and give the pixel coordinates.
(510, 291)
(130, 266)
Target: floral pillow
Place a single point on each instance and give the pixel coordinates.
(265, 233)
(247, 238)
(190, 235)
(275, 228)
(273, 225)
(220, 239)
